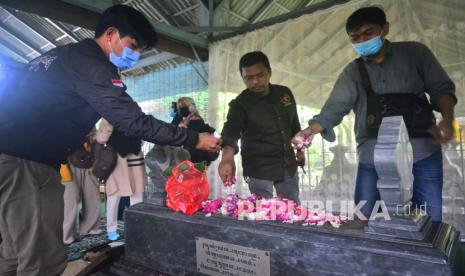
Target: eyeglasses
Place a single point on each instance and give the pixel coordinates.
(251, 78)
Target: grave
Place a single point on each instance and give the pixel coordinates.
(160, 240)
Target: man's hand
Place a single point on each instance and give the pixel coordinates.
(300, 158)
(208, 142)
(227, 170)
(443, 132)
(313, 128)
(227, 167)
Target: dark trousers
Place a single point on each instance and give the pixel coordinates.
(31, 218)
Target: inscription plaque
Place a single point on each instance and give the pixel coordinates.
(220, 258)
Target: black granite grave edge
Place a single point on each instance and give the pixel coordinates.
(360, 242)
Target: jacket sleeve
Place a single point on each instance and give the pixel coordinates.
(104, 92)
(437, 82)
(104, 131)
(340, 102)
(234, 125)
(295, 124)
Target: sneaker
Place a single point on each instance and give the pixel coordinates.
(113, 236)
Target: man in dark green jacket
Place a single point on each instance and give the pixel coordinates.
(264, 117)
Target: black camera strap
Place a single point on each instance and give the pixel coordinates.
(417, 112)
(372, 102)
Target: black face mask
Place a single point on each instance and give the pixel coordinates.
(184, 111)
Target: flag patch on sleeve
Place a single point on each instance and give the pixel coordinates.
(118, 83)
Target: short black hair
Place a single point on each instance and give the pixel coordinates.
(129, 22)
(367, 15)
(253, 58)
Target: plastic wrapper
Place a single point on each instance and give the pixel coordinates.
(186, 188)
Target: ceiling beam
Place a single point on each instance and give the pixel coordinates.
(162, 28)
(170, 39)
(33, 53)
(32, 30)
(55, 10)
(13, 54)
(161, 11)
(216, 12)
(65, 33)
(195, 6)
(304, 4)
(235, 14)
(211, 10)
(309, 3)
(261, 10)
(281, 18)
(202, 29)
(206, 3)
(281, 7)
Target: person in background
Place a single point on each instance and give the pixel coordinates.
(191, 119)
(264, 117)
(82, 188)
(173, 113)
(396, 70)
(47, 111)
(129, 178)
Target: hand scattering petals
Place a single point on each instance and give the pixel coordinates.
(231, 180)
(302, 141)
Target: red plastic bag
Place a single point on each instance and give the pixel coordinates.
(186, 188)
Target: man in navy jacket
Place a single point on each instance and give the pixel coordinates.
(45, 115)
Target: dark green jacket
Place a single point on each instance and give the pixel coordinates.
(265, 125)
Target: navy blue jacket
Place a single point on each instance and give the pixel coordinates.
(49, 108)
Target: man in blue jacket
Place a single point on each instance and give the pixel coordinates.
(46, 114)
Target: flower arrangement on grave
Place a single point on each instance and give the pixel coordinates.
(273, 209)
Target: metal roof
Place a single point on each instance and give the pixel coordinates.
(24, 35)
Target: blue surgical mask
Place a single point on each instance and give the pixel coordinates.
(370, 47)
(128, 58)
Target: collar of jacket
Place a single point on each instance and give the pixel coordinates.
(257, 95)
(95, 48)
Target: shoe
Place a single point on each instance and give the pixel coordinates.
(112, 236)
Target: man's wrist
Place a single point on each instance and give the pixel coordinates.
(228, 153)
(315, 126)
(448, 119)
(311, 121)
